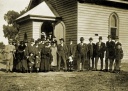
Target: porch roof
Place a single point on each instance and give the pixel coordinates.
(43, 11)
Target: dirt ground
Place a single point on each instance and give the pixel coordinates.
(64, 81)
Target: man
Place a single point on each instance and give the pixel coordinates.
(100, 49)
(118, 56)
(110, 51)
(9, 51)
(117, 42)
(31, 52)
(62, 54)
(71, 54)
(91, 53)
(82, 50)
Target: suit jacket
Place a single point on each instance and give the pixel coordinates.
(118, 54)
(62, 50)
(91, 51)
(9, 50)
(71, 49)
(100, 49)
(110, 49)
(82, 49)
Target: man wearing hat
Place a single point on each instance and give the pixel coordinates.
(31, 52)
(9, 51)
(118, 56)
(82, 50)
(100, 49)
(71, 53)
(91, 52)
(62, 54)
(117, 42)
(110, 51)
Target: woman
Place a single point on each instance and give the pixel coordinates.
(20, 56)
(46, 58)
(54, 54)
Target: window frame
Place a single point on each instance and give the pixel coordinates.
(117, 24)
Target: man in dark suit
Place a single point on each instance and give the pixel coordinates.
(71, 54)
(62, 54)
(100, 49)
(110, 51)
(91, 53)
(82, 50)
(117, 42)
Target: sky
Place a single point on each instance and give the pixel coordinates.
(5, 6)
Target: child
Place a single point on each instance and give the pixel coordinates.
(54, 54)
(118, 57)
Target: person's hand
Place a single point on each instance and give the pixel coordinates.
(27, 57)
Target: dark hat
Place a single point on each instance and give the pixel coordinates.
(21, 42)
(50, 33)
(117, 37)
(14, 41)
(70, 39)
(62, 39)
(48, 38)
(100, 37)
(109, 36)
(25, 41)
(52, 42)
(32, 40)
(81, 38)
(90, 38)
(36, 42)
(39, 39)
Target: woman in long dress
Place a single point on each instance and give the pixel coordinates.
(54, 54)
(46, 58)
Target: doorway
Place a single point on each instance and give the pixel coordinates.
(47, 28)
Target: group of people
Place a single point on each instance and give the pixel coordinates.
(45, 55)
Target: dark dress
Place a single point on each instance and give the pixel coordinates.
(46, 58)
(20, 56)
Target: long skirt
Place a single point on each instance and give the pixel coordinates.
(24, 65)
(45, 65)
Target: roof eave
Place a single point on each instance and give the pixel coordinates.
(37, 17)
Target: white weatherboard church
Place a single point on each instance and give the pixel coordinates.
(76, 18)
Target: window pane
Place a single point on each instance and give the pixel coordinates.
(113, 21)
(113, 32)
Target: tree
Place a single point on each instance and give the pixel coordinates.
(12, 28)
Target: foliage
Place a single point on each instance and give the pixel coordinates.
(12, 28)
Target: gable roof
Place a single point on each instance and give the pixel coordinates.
(43, 10)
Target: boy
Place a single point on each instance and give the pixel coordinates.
(118, 57)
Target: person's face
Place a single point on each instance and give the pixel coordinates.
(116, 39)
(82, 41)
(26, 44)
(100, 40)
(61, 41)
(71, 42)
(118, 46)
(109, 39)
(90, 41)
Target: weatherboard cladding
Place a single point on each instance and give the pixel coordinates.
(67, 9)
(25, 27)
(94, 19)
